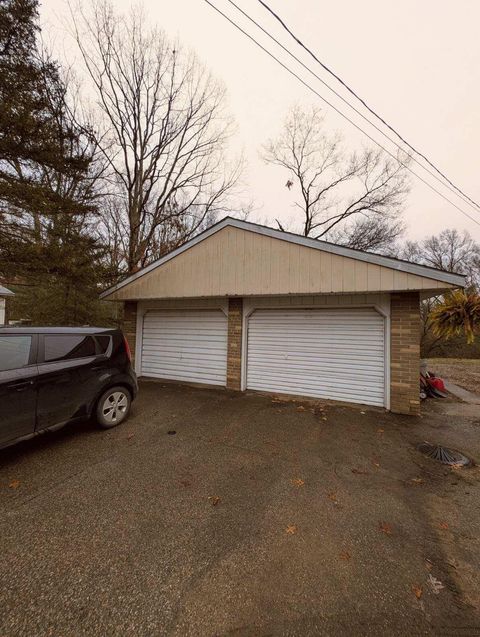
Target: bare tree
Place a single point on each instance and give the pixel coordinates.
(163, 129)
(450, 250)
(351, 198)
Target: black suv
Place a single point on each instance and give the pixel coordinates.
(53, 375)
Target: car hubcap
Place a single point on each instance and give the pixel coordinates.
(115, 407)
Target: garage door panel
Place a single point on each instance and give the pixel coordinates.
(185, 345)
(337, 354)
(300, 373)
(182, 363)
(298, 378)
(353, 397)
(315, 389)
(199, 340)
(340, 358)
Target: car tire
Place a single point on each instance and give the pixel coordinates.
(113, 407)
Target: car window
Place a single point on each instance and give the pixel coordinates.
(14, 351)
(61, 347)
(103, 341)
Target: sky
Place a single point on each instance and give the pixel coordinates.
(416, 63)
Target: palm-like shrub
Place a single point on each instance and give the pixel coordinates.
(458, 313)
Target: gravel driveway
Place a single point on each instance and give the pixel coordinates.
(257, 517)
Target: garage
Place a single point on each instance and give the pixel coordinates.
(185, 345)
(336, 354)
(250, 307)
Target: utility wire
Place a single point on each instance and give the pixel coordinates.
(250, 37)
(350, 90)
(453, 190)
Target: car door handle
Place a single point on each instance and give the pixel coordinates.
(21, 384)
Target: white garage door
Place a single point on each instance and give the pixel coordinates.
(336, 354)
(185, 345)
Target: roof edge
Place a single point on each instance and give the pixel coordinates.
(5, 291)
(359, 255)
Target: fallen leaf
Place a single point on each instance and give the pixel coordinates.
(333, 497)
(385, 528)
(345, 555)
(380, 431)
(428, 564)
(185, 483)
(444, 525)
(14, 484)
(362, 412)
(291, 529)
(417, 590)
(130, 435)
(417, 480)
(361, 472)
(301, 408)
(435, 584)
(375, 463)
(298, 482)
(214, 499)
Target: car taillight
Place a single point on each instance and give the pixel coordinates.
(127, 349)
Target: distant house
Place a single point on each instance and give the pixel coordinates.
(4, 294)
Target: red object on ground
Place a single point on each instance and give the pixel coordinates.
(437, 383)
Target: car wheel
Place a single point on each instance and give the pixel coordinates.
(113, 407)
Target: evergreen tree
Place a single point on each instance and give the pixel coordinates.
(50, 253)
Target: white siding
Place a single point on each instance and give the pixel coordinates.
(236, 262)
(334, 354)
(185, 345)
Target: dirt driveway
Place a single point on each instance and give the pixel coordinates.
(256, 517)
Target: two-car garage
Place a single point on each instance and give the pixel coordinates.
(324, 353)
(250, 307)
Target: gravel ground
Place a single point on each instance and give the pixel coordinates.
(461, 371)
(257, 517)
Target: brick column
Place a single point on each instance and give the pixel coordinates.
(405, 353)
(234, 347)
(129, 324)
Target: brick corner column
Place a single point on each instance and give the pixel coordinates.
(234, 346)
(129, 324)
(405, 353)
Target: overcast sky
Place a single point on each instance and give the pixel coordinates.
(417, 63)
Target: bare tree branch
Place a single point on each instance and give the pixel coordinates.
(162, 130)
(340, 193)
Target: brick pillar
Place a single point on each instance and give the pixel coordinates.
(234, 348)
(405, 353)
(129, 324)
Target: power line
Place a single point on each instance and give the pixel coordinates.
(454, 190)
(350, 90)
(239, 28)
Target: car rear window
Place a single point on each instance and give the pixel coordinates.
(61, 347)
(103, 341)
(14, 351)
